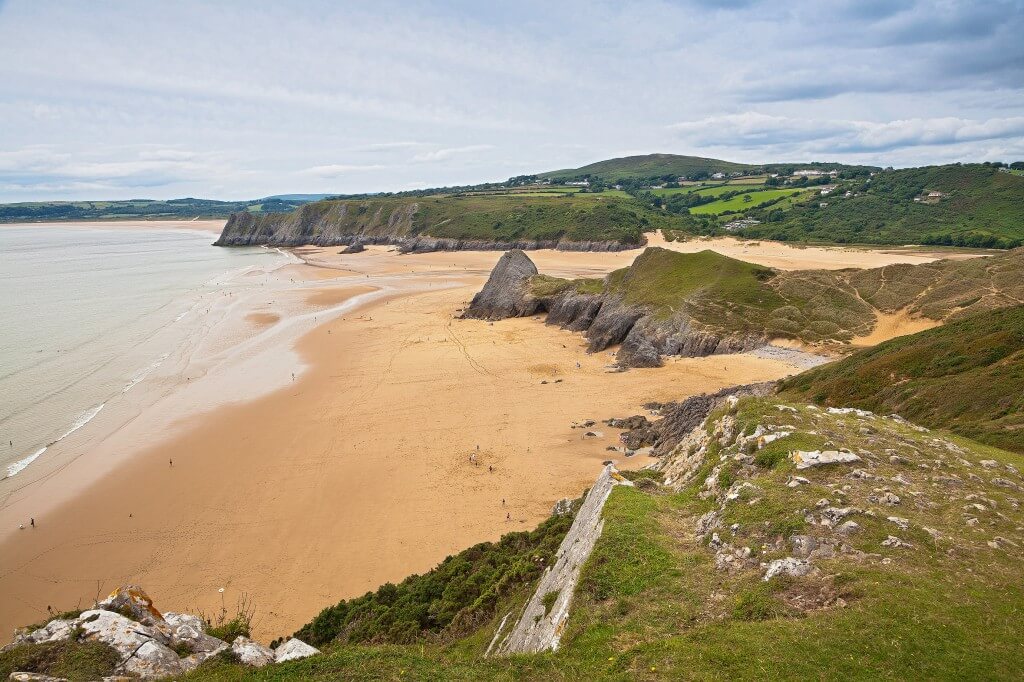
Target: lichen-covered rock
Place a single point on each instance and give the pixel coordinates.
(294, 649)
(251, 653)
(814, 458)
(506, 293)
(152, 661)
(34, 677)
(133, 602)
(788, 566)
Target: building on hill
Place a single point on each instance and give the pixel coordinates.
(718, 176)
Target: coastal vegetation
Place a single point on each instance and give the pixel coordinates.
(965, 376)
(452, 600)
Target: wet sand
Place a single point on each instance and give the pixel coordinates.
(357, 471)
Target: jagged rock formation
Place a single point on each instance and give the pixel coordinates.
(680, 418)
(506, 293)
(540, 625)
(151, 645)
(354, 247)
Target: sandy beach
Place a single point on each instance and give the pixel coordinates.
(298, 491)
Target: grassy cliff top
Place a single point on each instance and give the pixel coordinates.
(967, 376)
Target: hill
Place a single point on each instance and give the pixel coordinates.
(648, 166)
(141, 209)
(490, 221)
(694, 304)
(966, 376)
(962, 205)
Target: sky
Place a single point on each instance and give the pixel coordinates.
(102, 99)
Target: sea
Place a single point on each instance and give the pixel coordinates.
(87, 314)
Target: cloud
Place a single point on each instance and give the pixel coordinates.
(449, 152)
(755, 130)
(336, 169)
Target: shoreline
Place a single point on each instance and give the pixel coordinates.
(356, 466)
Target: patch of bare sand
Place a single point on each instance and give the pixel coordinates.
(889, 326)
(263, 319)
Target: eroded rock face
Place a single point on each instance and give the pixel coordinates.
(506, 293)
(294, 649)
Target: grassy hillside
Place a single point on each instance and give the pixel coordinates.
(648, 166)
(662, 597)
(979, 206)
(967, 376)
(516, 217)
(142, 209)
(495, 217)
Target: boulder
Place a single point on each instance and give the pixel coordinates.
(191, 631)
(143, 649)
(251, 653)
(506, 293)
(293, 650)
(354, 247)
(133, 602)
(788, 566)
(805, 460)
(35, 677)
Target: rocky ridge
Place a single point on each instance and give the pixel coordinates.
(149, 644)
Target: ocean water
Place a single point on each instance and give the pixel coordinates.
(86, 315)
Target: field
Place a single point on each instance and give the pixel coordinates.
(738, 203)
(648, 166)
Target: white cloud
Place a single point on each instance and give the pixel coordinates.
(250, 99)
(752, 130)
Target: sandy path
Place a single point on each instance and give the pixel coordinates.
(358, 472)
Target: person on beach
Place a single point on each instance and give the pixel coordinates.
(508, 516)
(170, 462)
(32, 522)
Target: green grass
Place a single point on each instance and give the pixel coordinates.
(69, 659)
(496, 216)
(738, 203)
(967, 376)
(542, 286)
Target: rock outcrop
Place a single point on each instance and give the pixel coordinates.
(507, 292)
(151, 645)
(541, 624)
(606, 319)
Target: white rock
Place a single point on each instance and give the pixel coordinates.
(989, 463)
(294, 649)
(35, 677)
(794, 481)
(805, 460)
(849, 410)
(893, 541)
(141, 647)
(251, 653)
(901, 522)
(848, 528)
(788, 566)
(152, 661)
(53, 631)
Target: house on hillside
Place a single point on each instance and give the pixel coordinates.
(808, 173)
(718, 176)
(579, 183)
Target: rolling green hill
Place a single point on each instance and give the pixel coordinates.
(966, 376)
(648, 166)
(979, 206)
